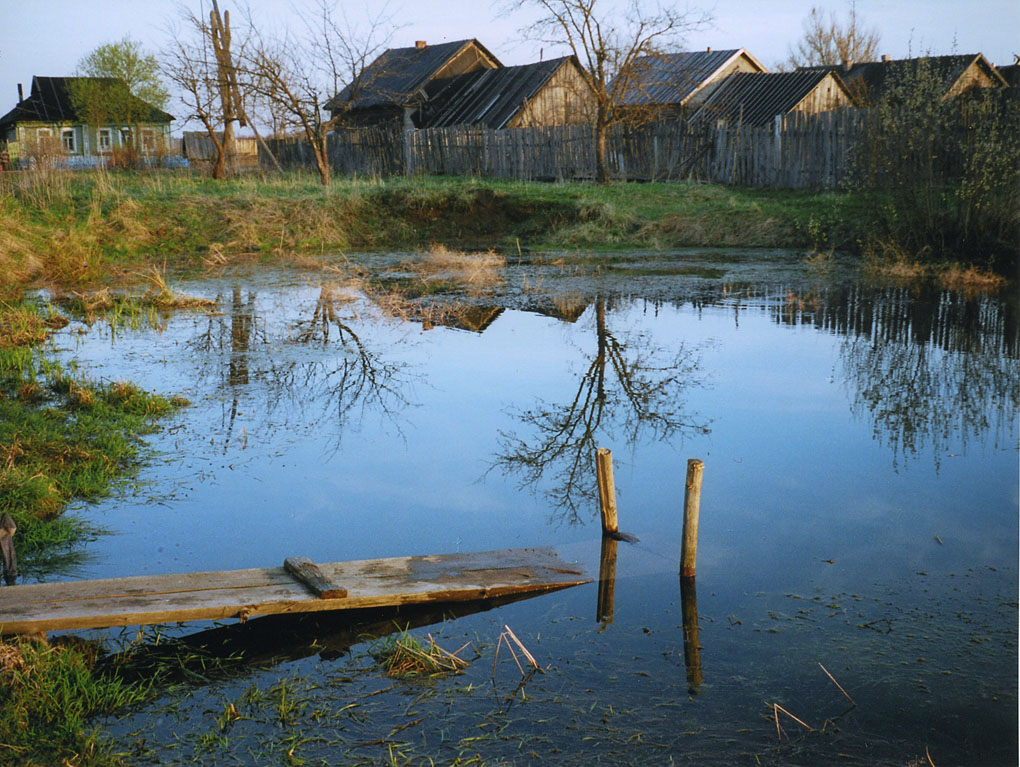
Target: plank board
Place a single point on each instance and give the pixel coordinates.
(271, 591)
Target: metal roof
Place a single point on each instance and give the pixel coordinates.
(398, 74)
(755, 98)
(875, 78)
(50, 101)
(671, 78)
(490, 97)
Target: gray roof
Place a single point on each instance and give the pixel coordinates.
(50, 101)
(397, 76)
(755, 98)
(490, 97)
(875, 78)
(671, 78)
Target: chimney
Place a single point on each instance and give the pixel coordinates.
(21, 94)
(419, 44)
(885, 57)
(847, 63)
(709, 50)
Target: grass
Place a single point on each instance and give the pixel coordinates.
(403, 655)
(98, 227)
(48, 695)
(62, 437)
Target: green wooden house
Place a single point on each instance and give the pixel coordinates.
(53, 123)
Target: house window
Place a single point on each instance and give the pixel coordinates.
(148, 140)
(105, 139)
(125, 137)
(42, 134)
(67, 139)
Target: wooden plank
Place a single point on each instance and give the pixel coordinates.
(267, 591)
(306, 571)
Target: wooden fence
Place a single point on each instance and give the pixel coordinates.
(796, 151)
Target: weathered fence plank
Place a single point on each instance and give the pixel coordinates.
(794, 151)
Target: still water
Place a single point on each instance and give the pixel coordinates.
(859, 509)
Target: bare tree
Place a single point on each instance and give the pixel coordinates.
(828, 41)
(610, 45)
(202, 66)
(297, 76)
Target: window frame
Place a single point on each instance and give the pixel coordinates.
(147, 137)
(107, 146)
(69, 147)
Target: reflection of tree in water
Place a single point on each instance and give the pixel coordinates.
(928, 367)
(625, 391)
(361, 378)
(357, 378)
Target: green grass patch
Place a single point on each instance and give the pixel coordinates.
(61, 437)
(49, 694)
(102, 227)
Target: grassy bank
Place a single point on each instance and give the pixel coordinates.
(62, 437)
(71, 229)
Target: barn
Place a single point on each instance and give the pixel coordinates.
(757, 98)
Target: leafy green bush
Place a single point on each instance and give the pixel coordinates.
(942, 174)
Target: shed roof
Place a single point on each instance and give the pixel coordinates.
(489, 97)
(756, 98)
(50, 101)
(1011, 74)
(399, 73)
(672, 78)
(875, 78)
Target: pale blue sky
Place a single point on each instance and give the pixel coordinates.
(49, 37)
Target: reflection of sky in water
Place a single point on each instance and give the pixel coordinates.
(795, 476)
(257, 471)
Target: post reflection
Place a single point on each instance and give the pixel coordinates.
(607, 581)
(692, 647)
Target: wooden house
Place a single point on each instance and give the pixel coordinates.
(550, 92)
(757, 98)
(665, 84)
(48, 123)
(392, 88)
(873, 81)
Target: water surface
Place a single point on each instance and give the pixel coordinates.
(859, 508)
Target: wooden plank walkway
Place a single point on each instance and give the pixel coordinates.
(245, 594)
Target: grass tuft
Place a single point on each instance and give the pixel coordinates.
(403, 655)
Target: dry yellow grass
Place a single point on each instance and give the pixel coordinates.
(970, 279)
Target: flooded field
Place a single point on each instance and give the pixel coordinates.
(858, 536)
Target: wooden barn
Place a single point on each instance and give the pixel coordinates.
(392, 89)
(872, 81)
(665, 84)
(550, 92)
(757, 98)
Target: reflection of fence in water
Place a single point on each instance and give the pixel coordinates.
(928, 366)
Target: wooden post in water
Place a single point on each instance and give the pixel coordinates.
(10, 558)
(692, 508)
(607, 490)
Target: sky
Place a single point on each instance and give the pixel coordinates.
(49, 37)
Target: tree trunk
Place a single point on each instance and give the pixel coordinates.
(601, 169)
(322, 160)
